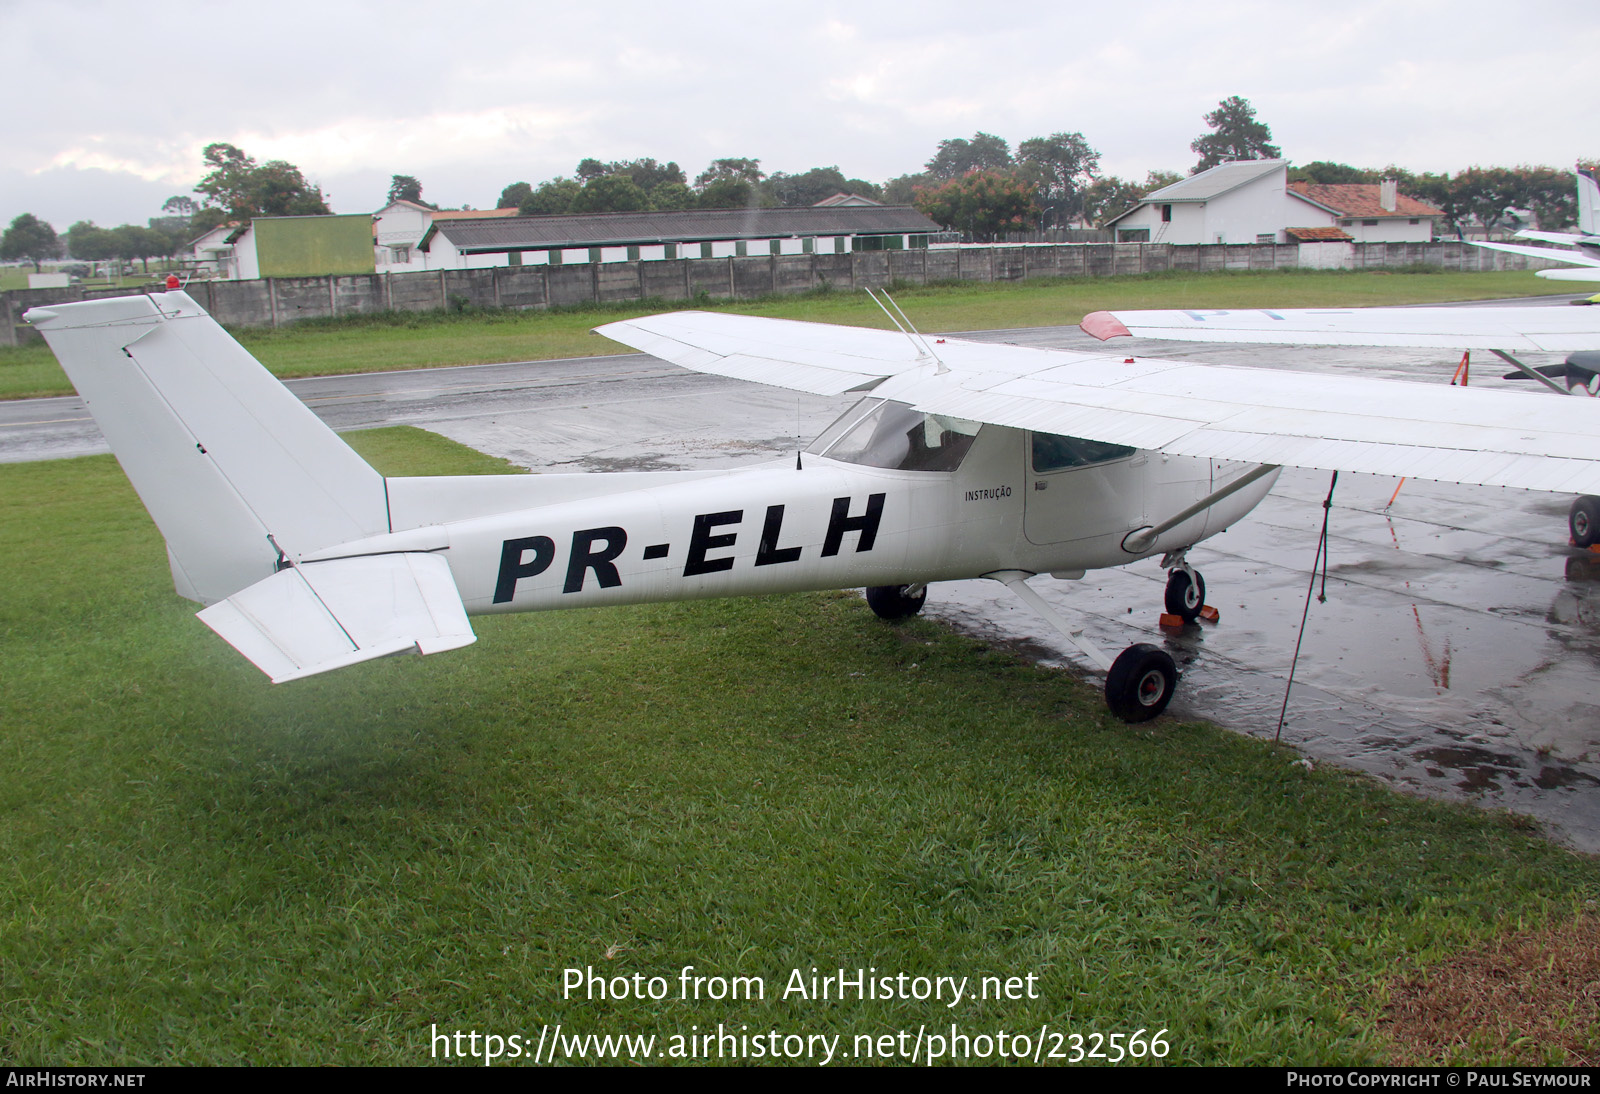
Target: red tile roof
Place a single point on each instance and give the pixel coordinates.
(1318, 235)
(1360, 199)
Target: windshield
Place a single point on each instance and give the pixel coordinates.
(880, 433)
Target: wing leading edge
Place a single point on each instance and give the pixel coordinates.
(1536, 329)
(1386, 427)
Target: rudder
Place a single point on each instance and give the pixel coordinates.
(237, 473)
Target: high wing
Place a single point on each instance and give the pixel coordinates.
(1540, 329)
(1385, 427)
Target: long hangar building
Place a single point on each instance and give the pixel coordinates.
(454, 244)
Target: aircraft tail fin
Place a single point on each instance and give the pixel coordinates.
(238, 474)
(1588, 202)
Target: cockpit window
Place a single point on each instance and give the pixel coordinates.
(1056, 453)
(880, 433)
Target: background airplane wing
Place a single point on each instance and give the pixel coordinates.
(1384, 427)
(1568, 239)
(1573, 257)
(1543, 329)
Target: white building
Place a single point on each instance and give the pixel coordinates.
(456, 243)
(1252, 201)
(1371, 212)
(400, 227)
(1246, 201)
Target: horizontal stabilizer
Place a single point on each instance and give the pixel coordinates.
(325, 615)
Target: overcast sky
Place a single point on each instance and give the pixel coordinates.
(108, 104)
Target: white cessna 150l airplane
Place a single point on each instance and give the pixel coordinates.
(962, 460)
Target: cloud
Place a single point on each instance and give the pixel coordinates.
(480, 94)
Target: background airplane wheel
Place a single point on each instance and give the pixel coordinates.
(1185, 597)
(1583, 520)
(891, 601)
(1140, 683)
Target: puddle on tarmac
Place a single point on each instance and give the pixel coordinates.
(1455, 656)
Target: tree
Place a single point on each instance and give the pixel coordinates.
(90, 243)
(1059, 166)
(1442, 193)
(903, 190)
(1488, 194)
(1237, 136)
(645, 173)
(730, 170)
(1106, 197)
(551, 198)
(610, 194)
(957, 157)
(1550, 194)
(205, 220)
(731, 193)
(672, 197)
(817, 184)
(982, 204)
(1323, 172)
(513, 196)
(29, 238)
(180, 205)
(244, 189)
(405, 188)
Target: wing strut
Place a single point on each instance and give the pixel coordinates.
(1541, 377)
(1140, 540)
(1017, 582)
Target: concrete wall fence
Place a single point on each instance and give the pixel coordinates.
(277, 301)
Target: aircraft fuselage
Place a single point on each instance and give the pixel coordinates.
(815, 523)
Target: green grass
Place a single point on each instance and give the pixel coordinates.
(399, 341)
(16, 277)
(200, 867)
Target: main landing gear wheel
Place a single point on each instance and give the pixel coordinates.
(891, 601)
(1140, 683)
(1184, 597)
(1583, 520)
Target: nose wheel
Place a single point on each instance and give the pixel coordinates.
(1186, 593)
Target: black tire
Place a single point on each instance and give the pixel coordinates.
(1583, 520)
(1140, 683)
(1186, 598)
(891, 601)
